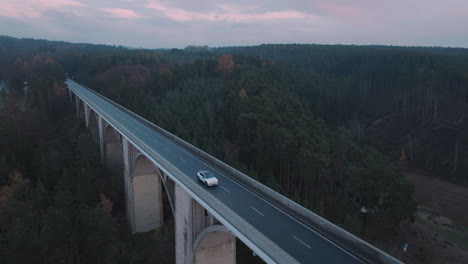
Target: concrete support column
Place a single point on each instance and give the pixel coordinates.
(183, 226)
(112, 156)
(112, 150)
(93, 125)
(147, 196)
(198, 220)
(101, 127)
(128, 152)
(198, 240)
(169, 186)
(77, 104)
(143, 192)
(86, 112)
(69, 95)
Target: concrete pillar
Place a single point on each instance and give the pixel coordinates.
(93, 125)
(183, 226)
(198, 240)
(198, 221)
(112, 157)
(70, 98)
(143, 192)
(169, 186)
(128, 152)
(147, 195)
(86, 113)
(77, 104)
(102, 125)
(112, 150)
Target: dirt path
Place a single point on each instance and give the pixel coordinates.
(434, 238)
(444, 197)
(425, 247)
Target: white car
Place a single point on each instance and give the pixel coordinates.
(207, 178)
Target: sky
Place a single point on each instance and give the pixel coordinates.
(179, 23)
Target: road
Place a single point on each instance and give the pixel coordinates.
(296, 239)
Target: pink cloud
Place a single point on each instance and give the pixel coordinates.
(234, 8)
(374, 13)
(226, 13)
(338, 10)
(122, 13)
(245, 17)
(32, 8)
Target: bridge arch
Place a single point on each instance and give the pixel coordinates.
(72, 96)
(215, 244)
(93, 125)
(113, 157)
(80, 112)
(147, 195)
(111, 135)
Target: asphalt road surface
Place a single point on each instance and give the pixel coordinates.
(296, 239)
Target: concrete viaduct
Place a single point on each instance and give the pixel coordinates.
(147, 162)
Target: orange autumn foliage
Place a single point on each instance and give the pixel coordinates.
(225, 63)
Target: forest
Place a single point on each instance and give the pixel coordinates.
(331, 127)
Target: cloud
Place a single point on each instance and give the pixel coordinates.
(378, 12)
(228, 13)
(237, 9)
(33, 8)
(122, 13)
(337, 9)
(177, 23)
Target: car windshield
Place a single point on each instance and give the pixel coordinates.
(208, 175)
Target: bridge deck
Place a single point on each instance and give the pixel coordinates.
(297, 240)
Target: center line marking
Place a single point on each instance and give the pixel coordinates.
(257, 211)
(168, 149)
(182, 159)
(226, 189)
(302, 242)
(250, 192)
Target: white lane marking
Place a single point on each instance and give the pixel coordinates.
(182, 160)
(267, 202)
(168, 149)
(302, 242)
(248, 190)
(226, 189)
(257, 211)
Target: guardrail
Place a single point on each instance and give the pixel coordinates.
(332, 232)
(258, 242)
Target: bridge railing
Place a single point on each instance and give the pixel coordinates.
(264, 247)
(327, 229)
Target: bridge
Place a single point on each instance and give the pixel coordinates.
(147, 162)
